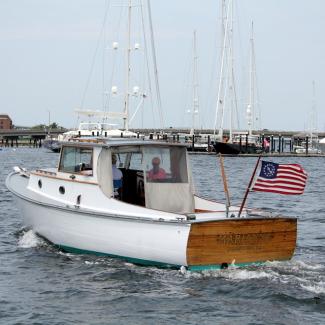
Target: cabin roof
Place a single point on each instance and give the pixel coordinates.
(107, 143)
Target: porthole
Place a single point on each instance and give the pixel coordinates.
(39, 183)
(62, 189)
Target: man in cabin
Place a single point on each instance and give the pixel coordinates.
(117, 178)
(156, 173)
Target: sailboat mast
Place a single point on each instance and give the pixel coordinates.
(195, 108)
(220, 98)
(231, 71)
(250, 107)
(128, 68)
(313, 114)
(153, 50)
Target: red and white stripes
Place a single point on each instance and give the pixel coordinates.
(289, 179)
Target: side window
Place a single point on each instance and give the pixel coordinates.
(136, 161)
(120, 159)
(76, 160)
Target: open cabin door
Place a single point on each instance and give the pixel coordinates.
(104, 172)
(167, 183)
(128, 160)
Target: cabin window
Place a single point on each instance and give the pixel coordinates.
(165, 165)
(76, 160)
(136, 161)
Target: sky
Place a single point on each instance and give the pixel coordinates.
(47, 48)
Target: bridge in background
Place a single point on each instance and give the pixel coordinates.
(9, 138)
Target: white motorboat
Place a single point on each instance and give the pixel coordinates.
(311, 144)
(303, 150)
(321, 144)
(92, 129)
(154, 218)
(86, 130)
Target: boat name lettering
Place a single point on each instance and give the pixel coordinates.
(239, 239)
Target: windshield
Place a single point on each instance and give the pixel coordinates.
(76, 160)
(166, 165)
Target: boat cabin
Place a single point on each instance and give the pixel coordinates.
(154, 175)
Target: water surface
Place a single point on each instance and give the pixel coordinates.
(41, 285)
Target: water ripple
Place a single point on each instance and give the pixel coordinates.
(42, 285)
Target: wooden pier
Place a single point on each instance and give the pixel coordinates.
(22, 137)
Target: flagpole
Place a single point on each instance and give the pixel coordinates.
(225, 185)
(249, 186)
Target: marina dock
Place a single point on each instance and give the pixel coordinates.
(274, 154)
(281, 142)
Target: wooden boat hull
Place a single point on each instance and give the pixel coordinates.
(241, 241)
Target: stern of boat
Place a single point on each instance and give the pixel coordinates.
(217, 244)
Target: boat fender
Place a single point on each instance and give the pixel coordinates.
(224, 266)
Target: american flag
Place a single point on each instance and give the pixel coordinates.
(280, 178)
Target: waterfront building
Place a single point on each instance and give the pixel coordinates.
(5, 122)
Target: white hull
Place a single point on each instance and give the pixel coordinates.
(311, 150)
(146, 241)
(79, 213)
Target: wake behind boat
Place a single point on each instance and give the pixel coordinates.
(149, 216)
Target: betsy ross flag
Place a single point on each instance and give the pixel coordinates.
(280, 178)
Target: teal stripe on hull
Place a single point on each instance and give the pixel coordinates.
(194, 268)
(125, 258)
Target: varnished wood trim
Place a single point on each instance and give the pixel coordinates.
(63, 179)
(241, 241)
(46, 172)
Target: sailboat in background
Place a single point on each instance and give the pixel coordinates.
(226, 97)
(104, 122)
(195, 141)
(195, 105)
(238, 142)
(312, 137)
(250, 143)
